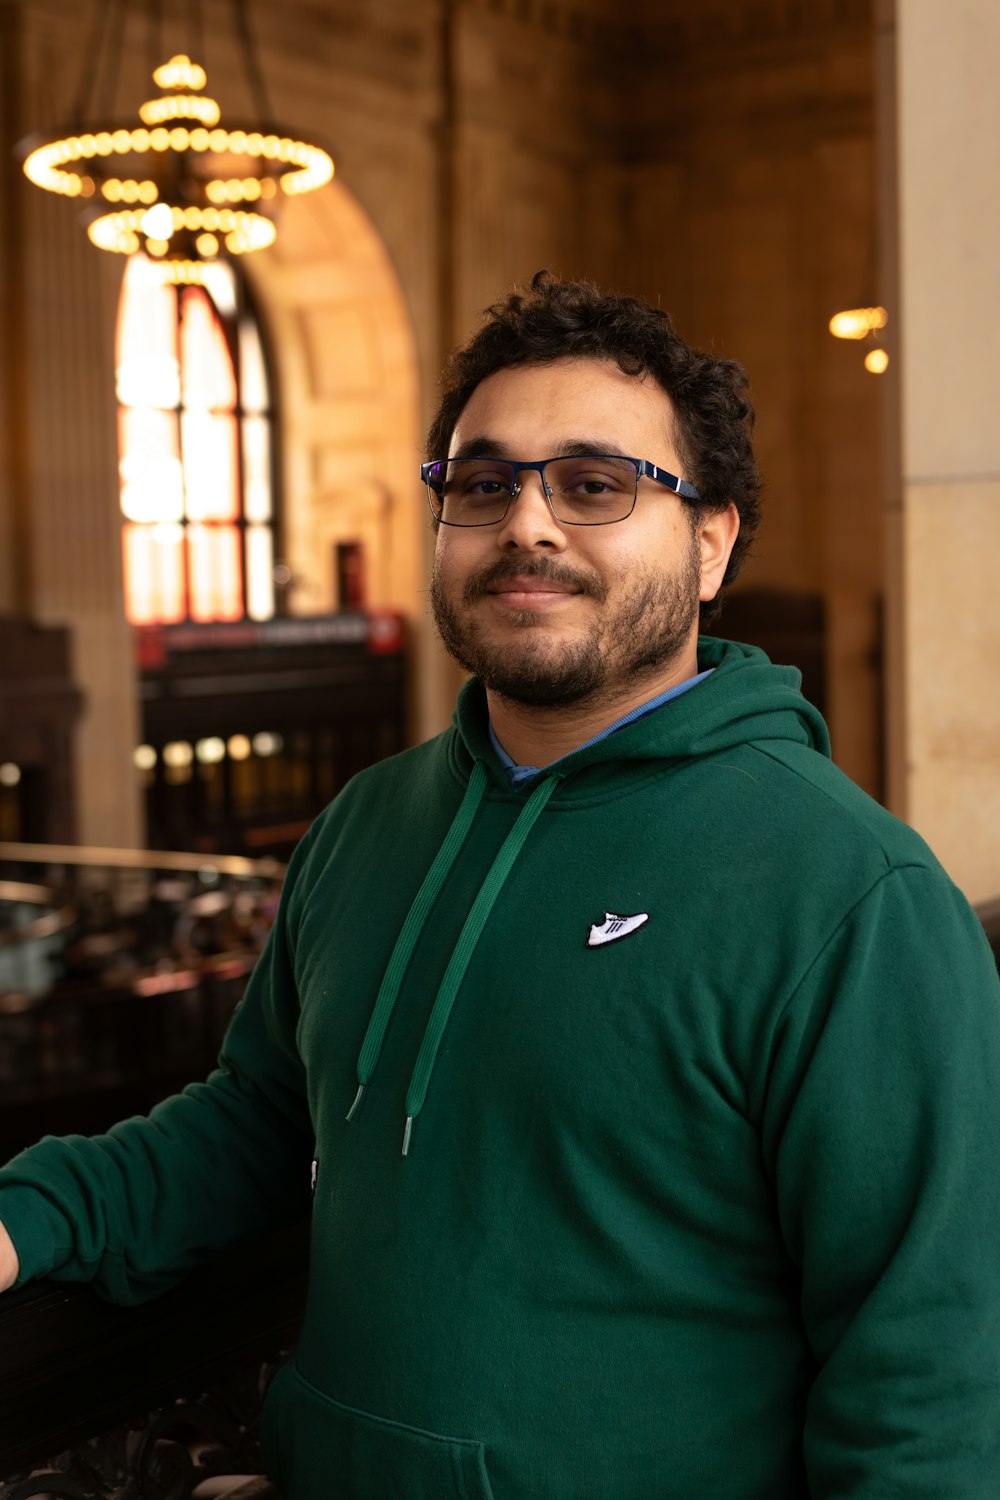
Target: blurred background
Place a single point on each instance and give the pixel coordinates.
(213, 542)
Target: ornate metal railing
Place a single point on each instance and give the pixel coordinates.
(149, 1403)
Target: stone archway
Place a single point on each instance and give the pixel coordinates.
(345, 361)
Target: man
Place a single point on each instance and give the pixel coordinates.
(669, 1061)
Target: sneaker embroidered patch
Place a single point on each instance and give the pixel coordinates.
(614, 927)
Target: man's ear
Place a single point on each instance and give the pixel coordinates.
(717, 532)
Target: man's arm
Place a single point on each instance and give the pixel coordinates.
(8, 1260)
(135, 1209)
(881, 1132)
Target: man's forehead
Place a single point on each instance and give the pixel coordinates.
(567, 405)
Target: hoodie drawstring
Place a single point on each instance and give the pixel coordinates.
(388, 993)
(469, 936)
(464, 948)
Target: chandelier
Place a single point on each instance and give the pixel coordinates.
(178, 184)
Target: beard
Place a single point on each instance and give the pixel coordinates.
(646, 627)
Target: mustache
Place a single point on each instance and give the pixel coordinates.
(531, 567)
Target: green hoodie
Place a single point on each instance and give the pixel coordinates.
(704, 1206)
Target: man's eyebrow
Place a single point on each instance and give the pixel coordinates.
(480, 447)
(485, 447)
(588, 448)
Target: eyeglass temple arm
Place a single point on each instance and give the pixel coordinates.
(671, 481)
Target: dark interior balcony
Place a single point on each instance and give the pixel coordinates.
(117, 981)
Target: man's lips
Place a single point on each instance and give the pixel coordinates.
(530, 593)
(533, 586)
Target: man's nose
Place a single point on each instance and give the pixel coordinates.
(529, 522)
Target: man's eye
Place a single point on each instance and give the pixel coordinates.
(483, 486)
(469, 479)
(595, 482)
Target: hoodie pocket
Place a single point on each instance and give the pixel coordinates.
(315, 1448)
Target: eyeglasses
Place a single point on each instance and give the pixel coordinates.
(585, 489)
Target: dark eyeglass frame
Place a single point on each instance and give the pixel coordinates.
(644, 469)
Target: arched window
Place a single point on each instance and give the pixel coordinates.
(195, 445)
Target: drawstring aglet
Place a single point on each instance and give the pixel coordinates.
(406, 1136)
(357, 1100)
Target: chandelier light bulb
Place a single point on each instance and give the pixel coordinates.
(180, 73)
(158, 222)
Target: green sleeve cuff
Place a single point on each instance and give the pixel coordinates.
(37, 1228)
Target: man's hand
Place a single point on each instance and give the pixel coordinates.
(9, 1264)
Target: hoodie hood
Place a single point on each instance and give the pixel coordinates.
(747, 699)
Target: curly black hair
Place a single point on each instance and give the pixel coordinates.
(557, 319)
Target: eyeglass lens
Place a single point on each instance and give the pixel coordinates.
(583, 490)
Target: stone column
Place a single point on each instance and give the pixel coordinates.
(65, 520)
(944, 534)
(75, 560)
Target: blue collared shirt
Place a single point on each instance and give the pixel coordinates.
(518, 774)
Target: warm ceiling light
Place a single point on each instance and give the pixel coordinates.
(858, 322)
(157, 223)
(180, 107)
(211, 751)
(132, 229)
(184, 272)
(180, 73)
(189, 175)
(177, 753)
(877, 361)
